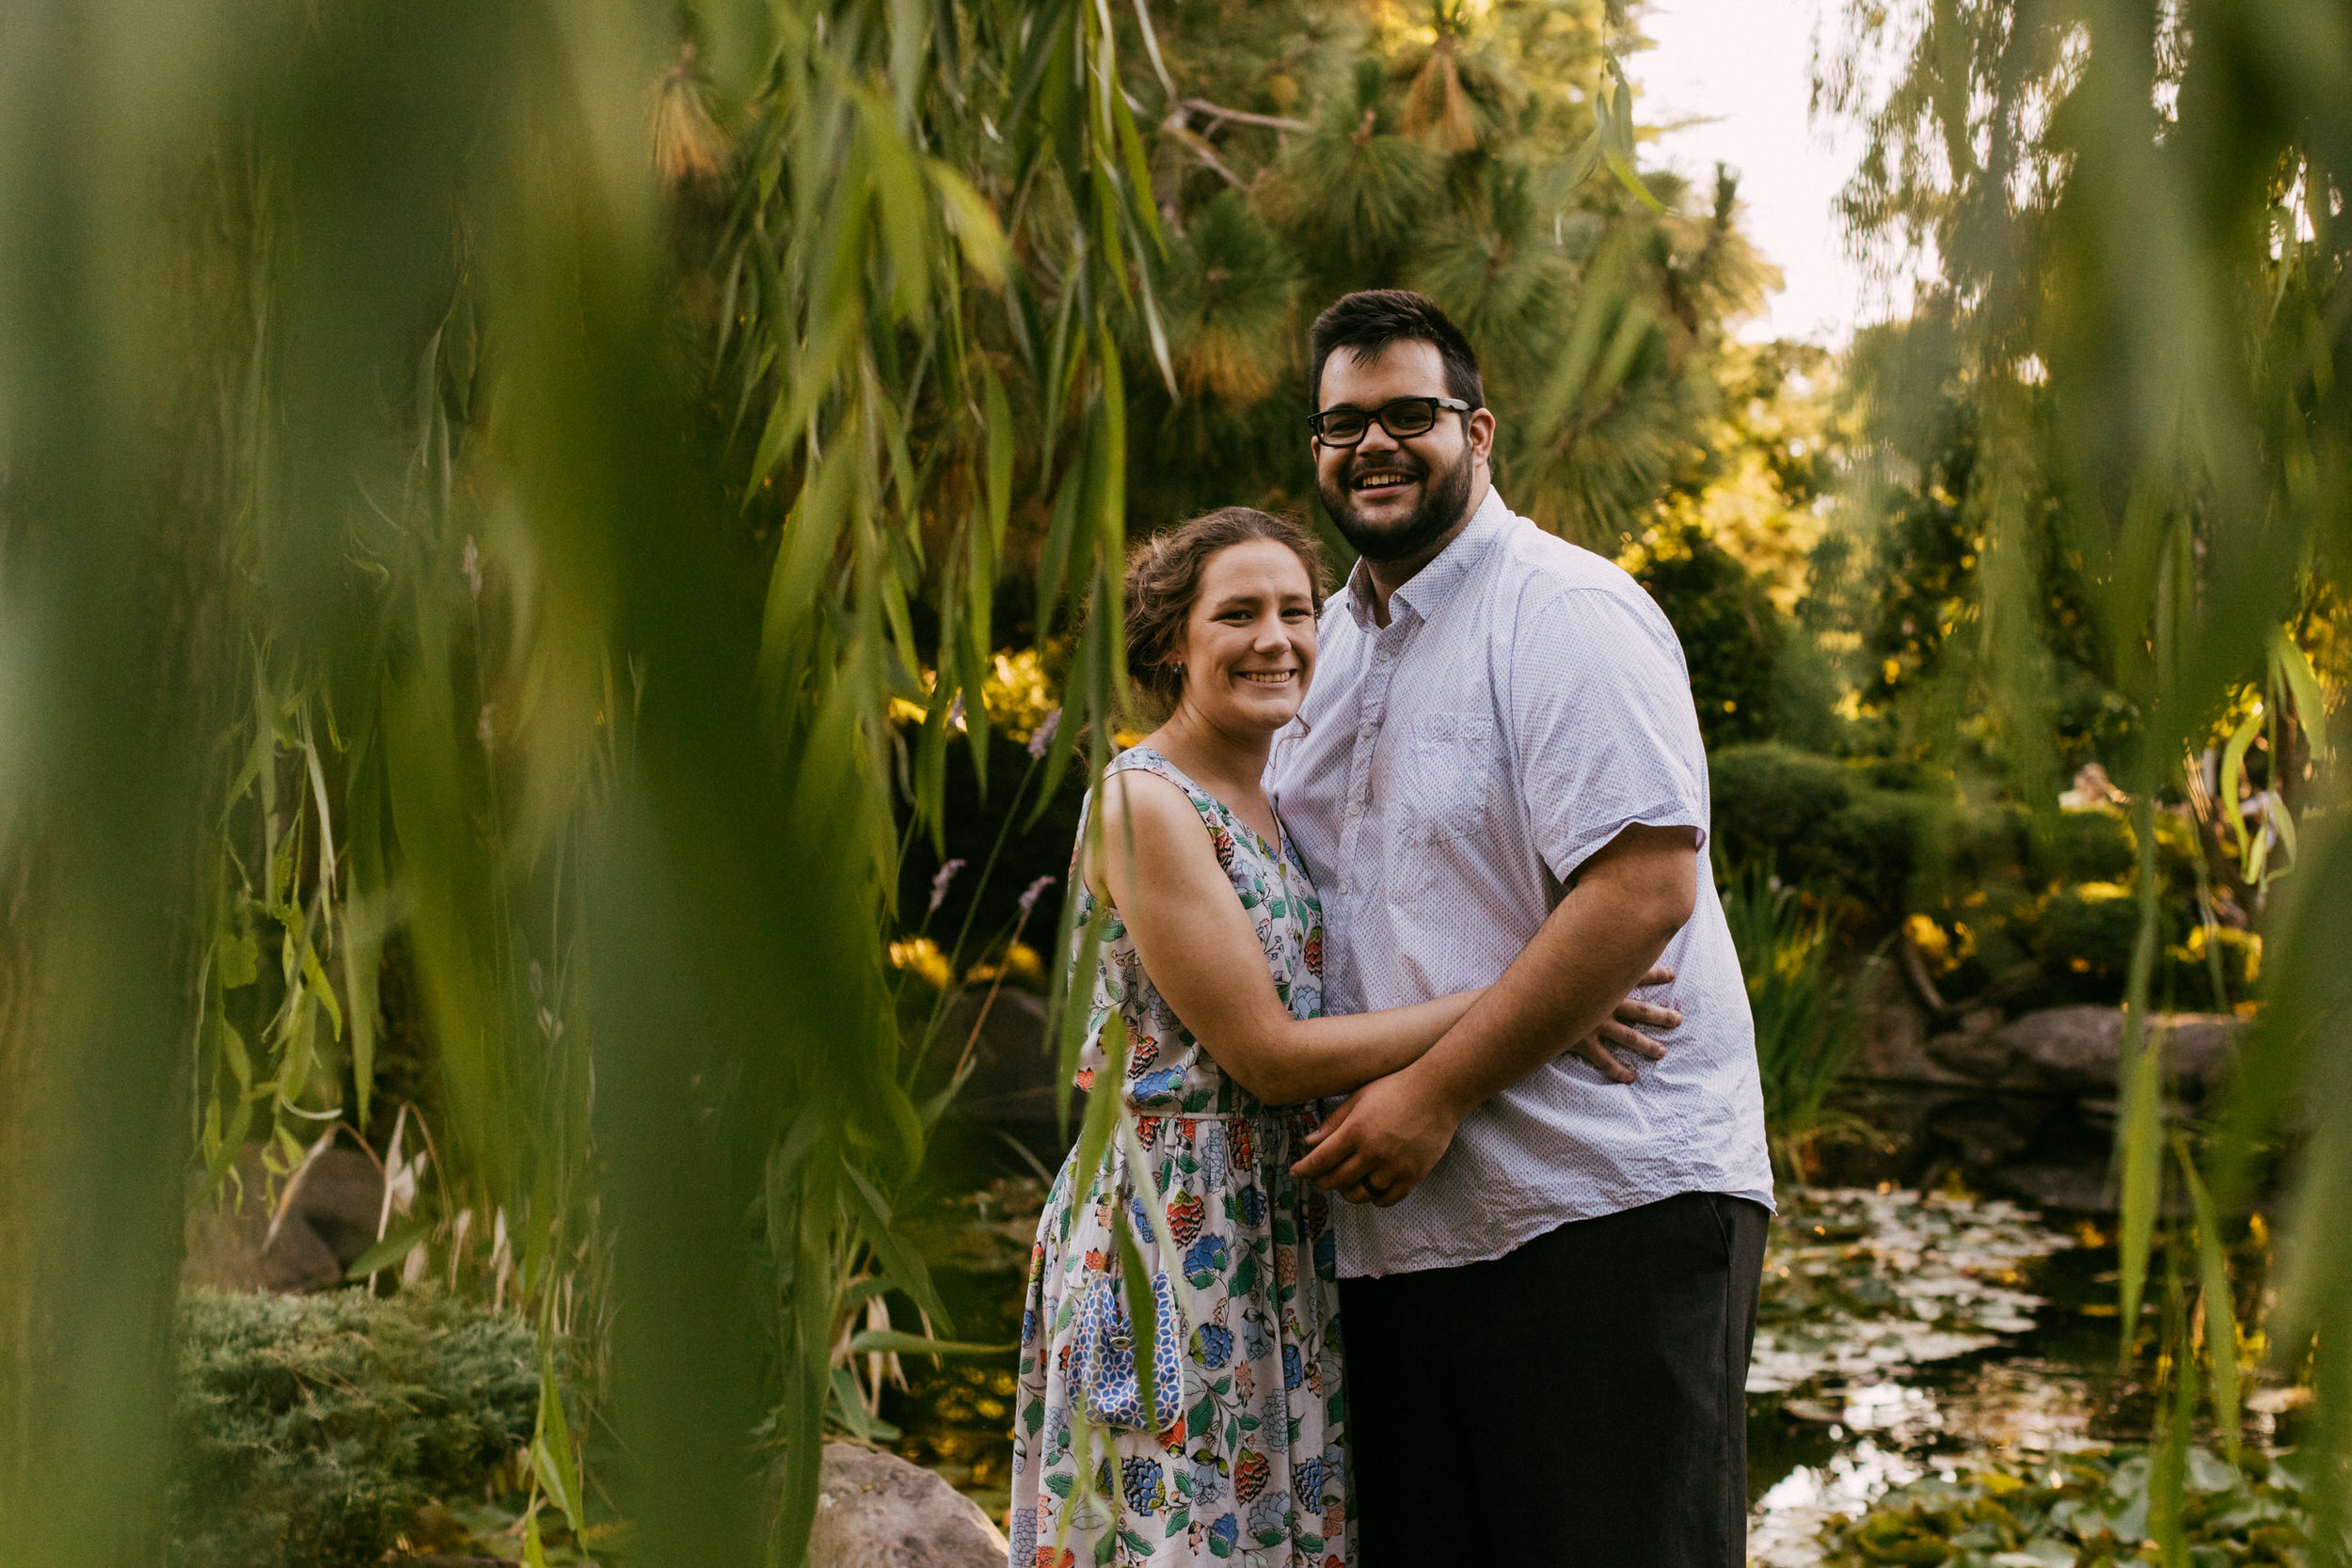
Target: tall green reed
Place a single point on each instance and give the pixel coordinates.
(1807, 1017)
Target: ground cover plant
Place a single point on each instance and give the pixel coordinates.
(2091, 1510)
(309, 1431)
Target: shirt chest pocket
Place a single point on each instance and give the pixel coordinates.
(1452, 777)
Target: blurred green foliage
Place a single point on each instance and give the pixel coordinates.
(506, 516)
(309, 1431)
(2126, 376)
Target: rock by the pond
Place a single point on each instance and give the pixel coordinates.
(877, 1510)
(2078, 1186)
(1894, 1047)
(2078, 1050)
(2071, 1051)
(1979, 1058)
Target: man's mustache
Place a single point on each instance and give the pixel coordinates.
(1408, 468)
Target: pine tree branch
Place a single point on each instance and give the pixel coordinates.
(1240, 117)
(1207, 154)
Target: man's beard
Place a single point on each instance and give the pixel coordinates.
(1445, 496)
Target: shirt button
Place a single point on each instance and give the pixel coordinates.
(1355, 808)
(1370, 729)
(1385, 655)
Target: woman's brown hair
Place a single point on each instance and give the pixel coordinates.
(1163, 579)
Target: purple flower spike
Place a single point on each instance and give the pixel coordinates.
(1044, 735)
(939, 883)
(1029, 900)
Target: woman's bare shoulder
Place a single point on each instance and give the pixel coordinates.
(1150, 813)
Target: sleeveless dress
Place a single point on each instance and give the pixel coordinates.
(1251, 1465)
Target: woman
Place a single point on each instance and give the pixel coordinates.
(1211, 958)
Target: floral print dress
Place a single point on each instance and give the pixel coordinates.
(1250, 1467)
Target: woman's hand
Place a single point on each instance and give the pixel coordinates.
(1385, 1137)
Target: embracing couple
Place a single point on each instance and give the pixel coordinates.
(1375, 901)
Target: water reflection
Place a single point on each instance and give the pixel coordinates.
(1949, 1328)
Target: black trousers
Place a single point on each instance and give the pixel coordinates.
(1577, 1404)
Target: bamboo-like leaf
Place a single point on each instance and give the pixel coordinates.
(314, 978)
(2219, 1300)
(2310, 705)
(551, 1453)
(1062, 532)
(390, 1252)
(2140, 1139)
(973, 224)
(1144, 1305)
(848, 1406)
(904, 1264)
(2232, 769)
(889, 1342)
(998, 414)
(1103, 1104)
(1618, 149)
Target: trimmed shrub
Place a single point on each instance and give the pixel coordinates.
(1773, 802)
(310, 1429)
(1875, 845)
(2091, 847)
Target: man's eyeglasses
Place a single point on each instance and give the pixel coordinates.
(1399, 417)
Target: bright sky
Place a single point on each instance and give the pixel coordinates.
(1742, 69)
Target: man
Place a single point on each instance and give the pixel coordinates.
(1548, 1273)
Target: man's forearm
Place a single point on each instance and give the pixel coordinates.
(1592, 950)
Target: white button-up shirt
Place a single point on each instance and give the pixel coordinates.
(1450, 771)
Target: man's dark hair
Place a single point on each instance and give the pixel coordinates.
(1367, 321)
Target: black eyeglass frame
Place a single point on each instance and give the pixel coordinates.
(1435, 405)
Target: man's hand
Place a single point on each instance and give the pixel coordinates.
(1385, 1137)
(1380, 1142)
(1623, 1032)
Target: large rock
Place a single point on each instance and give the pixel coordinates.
(2079, 1050)
(877, 1510)
(330, 1220)
(1894, 1047)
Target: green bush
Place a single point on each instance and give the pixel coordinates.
(2091, 846)
(1772, 803)
(1824, 824)
(2083, 936)
(1732, 637)
(1875, 845)
(310, 1430)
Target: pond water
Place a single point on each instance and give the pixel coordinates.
(1900, 1334)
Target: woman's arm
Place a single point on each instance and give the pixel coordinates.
(1200, 949)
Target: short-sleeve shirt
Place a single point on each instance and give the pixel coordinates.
(1448, 775)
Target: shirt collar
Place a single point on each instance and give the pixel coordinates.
(1433, 584)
